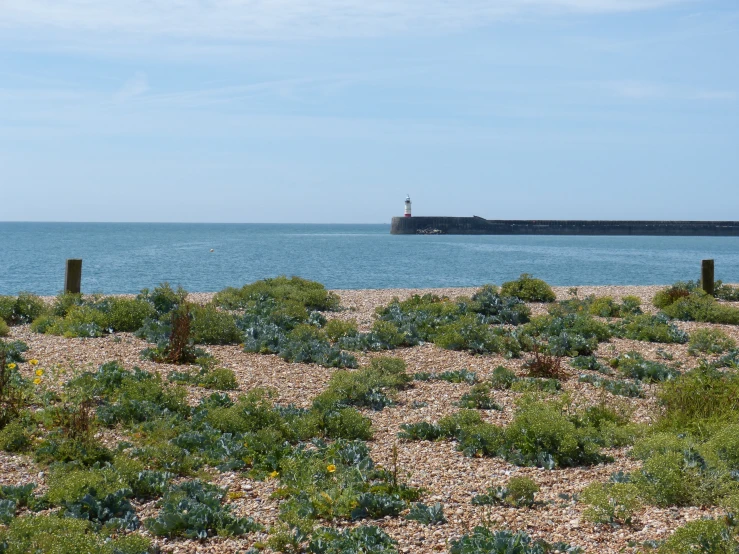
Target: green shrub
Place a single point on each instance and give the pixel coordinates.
(502, 378)
(699, 306)
(164, 298)
(52, 534)
(518, 492)
(604, 306)
(337, 329)
(708, 536)
(484, 541)
(541, 435)
(193, 509)
(220, 378)
(611, 503)
(4, 329)
(650, 328)
(666, 480)
(14, 437)
(372, 387)
(339, 480)
(457, 376)
(614, 386)
(479, 398)
(590, 363)
(710, 341)
(726, 292)
(533, 384)
(421, 431)
(427, 515)
(307, 344)
(528, 289)
(349, 541)
(310, 294)
(126, 314)
(21, 309)
(473, 334)
(211, 326)
(723, 447)
(499, 309)
(670, 295)
(566, 335)
(700, 395)
(13, 498)
(634, 366)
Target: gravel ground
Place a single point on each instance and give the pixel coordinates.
(448, 476)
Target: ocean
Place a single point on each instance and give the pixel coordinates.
(126, 257)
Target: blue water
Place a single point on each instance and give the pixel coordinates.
(126, 257)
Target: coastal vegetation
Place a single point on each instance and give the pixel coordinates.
(177, 441)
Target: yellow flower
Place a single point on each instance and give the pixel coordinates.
(37, 381)
(33, 362)
(331, 468)
(11, 366)
(39, 372)
(274, 474)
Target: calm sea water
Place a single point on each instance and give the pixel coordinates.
(125, 257)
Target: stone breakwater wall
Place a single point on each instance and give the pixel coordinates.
(481, 226)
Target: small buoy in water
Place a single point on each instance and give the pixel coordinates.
(211, 250)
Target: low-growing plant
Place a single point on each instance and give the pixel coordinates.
(726, 292)
(194, 509)
(590, 363)
(518, 492)
(709, 536)
(21, 309)
(15, 436)
(709, 341)
(219, 378)
(698, 306)
(614, 386)
(545, 366)
(697, 397)
(634, 366)
(457, 376)
(611, 503)
(163, 298)
(650, 328)
(502, 378)
(212, 326)
(479, 397)
(372, 387)
(309, 294)
(534, 384)
(351, 541)
(529, 289)
(427, 515)
(63, 535)
(484, 541)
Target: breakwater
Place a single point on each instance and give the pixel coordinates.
(480, 226)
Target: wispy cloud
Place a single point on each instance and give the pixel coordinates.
(277, 19)
(135, 86)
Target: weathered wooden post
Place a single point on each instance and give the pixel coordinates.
(73, 276)
(707, 276)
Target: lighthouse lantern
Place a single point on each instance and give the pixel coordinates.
(408, 205)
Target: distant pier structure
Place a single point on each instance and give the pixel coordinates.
(425, 225)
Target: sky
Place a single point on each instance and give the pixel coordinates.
(331, 111)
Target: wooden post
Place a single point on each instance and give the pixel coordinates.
(73, 276)
(707, 276)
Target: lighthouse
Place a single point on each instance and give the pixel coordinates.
(408, 205)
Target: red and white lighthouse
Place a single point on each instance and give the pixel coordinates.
(408, 205)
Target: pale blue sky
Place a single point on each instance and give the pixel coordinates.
(333, 110)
